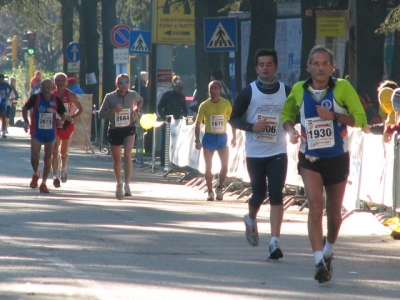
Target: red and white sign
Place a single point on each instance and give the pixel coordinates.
(120, 36)
(164, 75)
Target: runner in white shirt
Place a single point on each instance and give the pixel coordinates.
(257, 110)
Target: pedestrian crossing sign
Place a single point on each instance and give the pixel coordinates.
(220, 34)
(139, 42)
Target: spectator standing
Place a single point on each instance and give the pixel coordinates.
(171, 103)
(141, 89)
(73, 86)
(35, 82)
(12, 104)
(5, 90)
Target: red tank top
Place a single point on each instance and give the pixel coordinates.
(68, 104)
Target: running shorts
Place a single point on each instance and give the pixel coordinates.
(332, 169)
(65, 133)
(117, 136)
(45, 138)
(213, 142)
(3, 106)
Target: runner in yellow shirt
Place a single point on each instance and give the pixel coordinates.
(215, 112)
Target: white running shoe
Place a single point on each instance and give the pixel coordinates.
(64, 176)
(127, 190)
(218, 191)
(119, 193)
(210, 196)
(251, 232)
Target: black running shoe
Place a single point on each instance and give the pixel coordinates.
(56, 182)
(328, 263)
(275, 252)
(322, 273)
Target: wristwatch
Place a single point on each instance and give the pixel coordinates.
(336, 116)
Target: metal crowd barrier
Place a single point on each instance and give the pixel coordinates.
(99, 133)
(396, 174)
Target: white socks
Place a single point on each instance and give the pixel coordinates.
(327, 252)
(274, 240)
(249, 220)
(318, 256)
(328, 249)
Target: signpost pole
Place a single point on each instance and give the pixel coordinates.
(31, 62)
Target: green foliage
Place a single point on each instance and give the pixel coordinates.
(23, 81)
(134, 13)
(20, 16)
(392, 21)
(232, 5)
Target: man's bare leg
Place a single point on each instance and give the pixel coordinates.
(208, 156)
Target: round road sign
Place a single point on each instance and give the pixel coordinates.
(120, 36)
(3, 49)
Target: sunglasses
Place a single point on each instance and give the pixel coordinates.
(123, 82)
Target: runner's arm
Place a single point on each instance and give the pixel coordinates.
(77, 103)
(197, 141)
(28, 105)
(61, 109)
(105, 109)
(241, 104)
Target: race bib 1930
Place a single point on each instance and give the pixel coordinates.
(320, 133)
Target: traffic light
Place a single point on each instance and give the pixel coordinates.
(31, 40)
(12, 48)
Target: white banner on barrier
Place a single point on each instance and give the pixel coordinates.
(376, 177)
(292, 175)
(355, 151)
(371, 162)
(184, 153)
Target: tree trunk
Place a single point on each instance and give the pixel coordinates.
(89, 41)
(395, 74)
(369, 54)
(67, 16)
(202, 69)
(308, 26)
(109, 19)
(82, 39)
(263, 25)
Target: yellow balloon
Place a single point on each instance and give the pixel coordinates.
(147, 121)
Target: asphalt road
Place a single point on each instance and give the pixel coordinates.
(166, 241)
